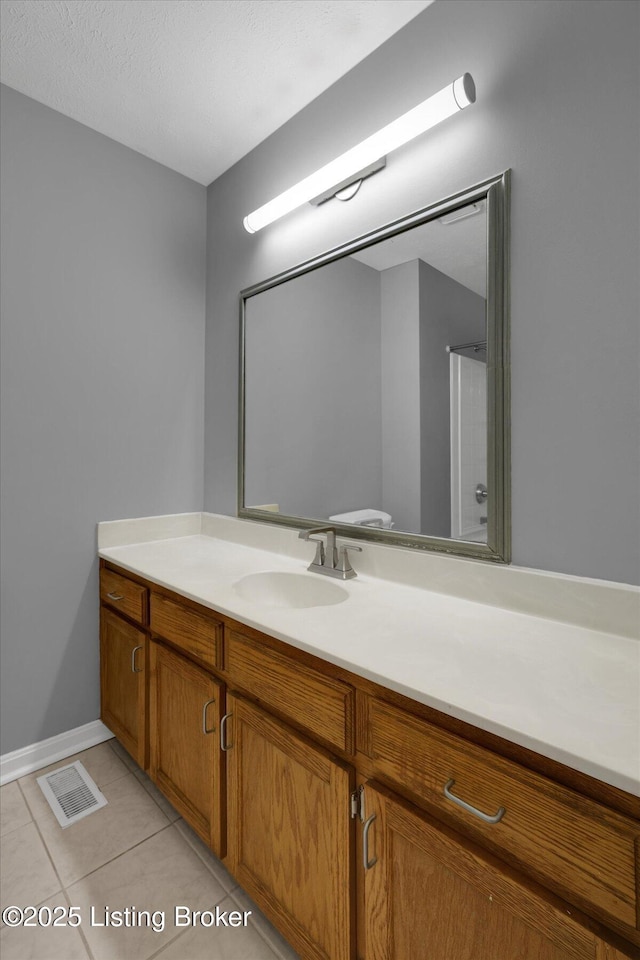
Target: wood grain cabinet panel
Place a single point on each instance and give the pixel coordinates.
(197, 634)
(123, 683)
(270, 790)
(320, 704)
(186, 705)
(431, 895)
(579, 848)
(124, 595)
(290, 831)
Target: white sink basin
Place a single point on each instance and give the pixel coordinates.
(275, 588)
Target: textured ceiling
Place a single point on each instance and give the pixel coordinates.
(194, 84)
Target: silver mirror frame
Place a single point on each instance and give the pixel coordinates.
(496, 191)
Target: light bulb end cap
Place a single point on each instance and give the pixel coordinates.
(464, 90)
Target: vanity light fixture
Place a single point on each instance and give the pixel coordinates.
(367, 157)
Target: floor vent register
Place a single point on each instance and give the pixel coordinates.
(71, 793)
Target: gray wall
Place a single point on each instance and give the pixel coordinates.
(557, 102)
(103, 258)
(449, 314)
(313, 392)
(400, 325)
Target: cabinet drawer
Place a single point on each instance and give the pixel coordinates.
(580, 848)
(124, 595)
(319, 704)
(193, 632)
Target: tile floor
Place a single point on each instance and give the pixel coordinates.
(134, 853)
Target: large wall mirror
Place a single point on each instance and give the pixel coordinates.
(374, 386)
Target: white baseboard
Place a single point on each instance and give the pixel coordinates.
(37, 755)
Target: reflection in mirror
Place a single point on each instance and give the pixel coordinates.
(366, 398)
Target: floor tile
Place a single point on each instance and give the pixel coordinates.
(123, 755)
(219, 942)
(208, 858)
(282, 949)
(169, 811)
(43, 942)
(156, 876)
(129, 817)
(100, 762)
(14, 812)
(26, 874)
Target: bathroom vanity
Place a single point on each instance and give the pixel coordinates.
(354, 767)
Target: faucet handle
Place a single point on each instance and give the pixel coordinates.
(344, 566)
(318, 560)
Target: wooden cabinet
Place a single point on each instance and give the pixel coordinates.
(580, 849)
(290, 831)
(186, 705)
(320, 705)
(124, 595)
(429, 894)
(554, 877)
(123, 682)
(198, 635)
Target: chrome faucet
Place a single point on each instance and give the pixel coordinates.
(328, 559)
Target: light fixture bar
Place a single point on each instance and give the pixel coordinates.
(441, 105)
(350, 181)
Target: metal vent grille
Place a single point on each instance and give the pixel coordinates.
(71, 793)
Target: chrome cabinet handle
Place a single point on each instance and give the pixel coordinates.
(135, 669)
(204, 717)
(366, 862)
(474, 810)
(115, 596)
(223, 733)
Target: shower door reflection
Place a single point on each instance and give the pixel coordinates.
(468, 407)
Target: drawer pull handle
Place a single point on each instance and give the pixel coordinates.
(366, 862)
(115, 596)
(135, 669)
(223, 733)
(474, 810)
(205, 730)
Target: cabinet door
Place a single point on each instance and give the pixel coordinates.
(186, 705)
(290, 831)
(431, 895)
(123, 682)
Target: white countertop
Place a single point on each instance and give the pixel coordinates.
(559, 688)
